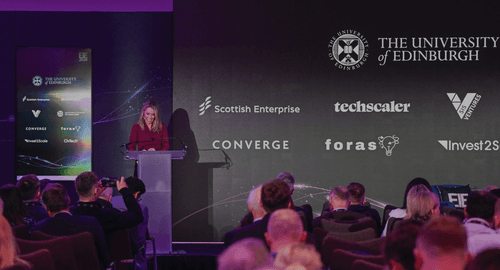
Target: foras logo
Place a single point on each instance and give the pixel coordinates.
(349, 49)
(205, 105)
(466, 107)
(37, 81)
(386, 142)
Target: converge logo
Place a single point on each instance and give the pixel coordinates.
(486, 145)
(385, 142)
(466, 107)
(251, 144)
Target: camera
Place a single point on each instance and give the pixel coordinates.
(109, 181)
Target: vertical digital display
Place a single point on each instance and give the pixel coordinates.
(54, 117)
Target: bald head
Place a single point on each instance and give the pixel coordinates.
(254, 203)
(285, 226)
(339, 198)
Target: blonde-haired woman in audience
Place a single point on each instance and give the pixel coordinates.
(422, 206)
(298, 256)
(8, 247)
(399, 213)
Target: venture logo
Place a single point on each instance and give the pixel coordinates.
(466, 107)
(205, 105)
(486, 145)
(37, 81)
(247, 109)
(386, 142)
(70, 140)
(36, 141)
(372, 107)
(36, 113)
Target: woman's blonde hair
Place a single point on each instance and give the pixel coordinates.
(421, 204)
(157, 124)
(298, 256)
(8, 247)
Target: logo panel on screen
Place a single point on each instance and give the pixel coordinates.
(349, 49)
(387, 143)
(466, 106)
(246, 109)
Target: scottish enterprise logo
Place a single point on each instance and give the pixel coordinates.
(242, 109)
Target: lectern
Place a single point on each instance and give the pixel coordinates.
(155, 170)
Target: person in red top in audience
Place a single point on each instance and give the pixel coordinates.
(150, 133)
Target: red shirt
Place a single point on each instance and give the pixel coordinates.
(148, 139)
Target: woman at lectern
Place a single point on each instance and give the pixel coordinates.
(150, 133)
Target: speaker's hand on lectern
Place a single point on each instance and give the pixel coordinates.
(121, 184)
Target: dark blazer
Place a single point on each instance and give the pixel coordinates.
(112, 219)
(36, 211)
(64, 224)
(307, 215)
(256, 229)
(337, 215)
(367, 210)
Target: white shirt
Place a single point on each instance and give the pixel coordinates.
(395, 213)
(483, 241)
(475, 226)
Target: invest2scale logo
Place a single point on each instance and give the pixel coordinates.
(385, 142)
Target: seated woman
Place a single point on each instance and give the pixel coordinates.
(422, 206)
(401, 212)
(8, 248)
(14, 210)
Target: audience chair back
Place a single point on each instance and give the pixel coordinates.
(387, 209)
(363, 235)
(364, 265)
(61, 249)
(120, 248)
(21, 232)
(392, 223)
(85, 251)
(342, 260)
(330, 244)
(40, 236)
(40, 259)
(17, 267)
(319, 234)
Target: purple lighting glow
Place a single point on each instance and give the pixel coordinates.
(89, 5)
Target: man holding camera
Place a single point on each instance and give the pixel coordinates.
(111, 219)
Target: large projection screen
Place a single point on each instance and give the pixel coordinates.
(54, 118)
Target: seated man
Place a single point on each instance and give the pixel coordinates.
(479, 213)
(246, 254)
(483, 241)
(30, 192)
(357, 200)
(111, 219)
(275, 195)
(62, 223)
(284, 227)
(138, 234)
(255, 208)
(339, 202)
(290, 180)
(399, 244)
(441, 244)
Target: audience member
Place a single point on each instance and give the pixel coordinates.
(486, 260)
(138, 233)
(105, 197)
(110, 219)
(489, 238)
(416, 185)
(275, 195)
(8, 247)
(14, 210)
(285, 227)
(422, 205)
(480, 213)
(30, 192)
(290, 180)
(43, 184)
(298, 256)
(63, 223)
(246, 254)
(339, 202)
(490, 188)
(441, 244)
(357, 200)
(399, 244)
(255, 205)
